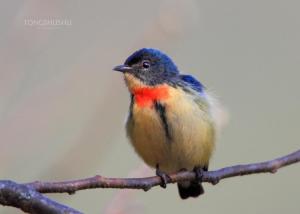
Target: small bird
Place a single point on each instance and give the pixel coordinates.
(171, 122)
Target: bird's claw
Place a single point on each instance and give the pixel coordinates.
(163, 176)
(199, 174)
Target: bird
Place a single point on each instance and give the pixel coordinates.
(172, 121)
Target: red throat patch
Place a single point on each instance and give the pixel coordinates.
(145, 96)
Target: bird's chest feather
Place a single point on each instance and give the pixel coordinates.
(145, 127)
(169, 128)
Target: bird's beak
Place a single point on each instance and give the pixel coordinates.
(122, 68)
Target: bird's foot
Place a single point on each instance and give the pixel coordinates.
(199, 173)
(163, 176)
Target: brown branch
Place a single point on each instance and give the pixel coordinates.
(148, 182)
(27, 197)
(29, 200)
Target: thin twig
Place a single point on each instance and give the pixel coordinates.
(146, 183)
(27, 197)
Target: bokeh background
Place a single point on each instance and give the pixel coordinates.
(62, 108)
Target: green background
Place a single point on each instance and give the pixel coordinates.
(62, 108)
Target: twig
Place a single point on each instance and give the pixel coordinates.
(148, 182)
(29, 200)
(27, 197)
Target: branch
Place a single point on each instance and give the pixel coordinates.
(146, 183)
(27, 197)
(29, 200)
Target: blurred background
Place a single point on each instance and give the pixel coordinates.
(62, 108)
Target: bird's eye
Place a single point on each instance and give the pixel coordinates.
(146, 64)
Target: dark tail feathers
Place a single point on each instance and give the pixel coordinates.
(194, 189)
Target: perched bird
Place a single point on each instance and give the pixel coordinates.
(171, 122)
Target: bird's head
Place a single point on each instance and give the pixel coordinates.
(148, 67)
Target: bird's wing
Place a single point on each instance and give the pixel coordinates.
(192, 82)
(205, 100)
(194, 88)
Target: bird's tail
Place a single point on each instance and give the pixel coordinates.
(191, 189)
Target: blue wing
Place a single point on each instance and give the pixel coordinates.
(192, 82)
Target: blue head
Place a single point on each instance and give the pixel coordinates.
(150, 66)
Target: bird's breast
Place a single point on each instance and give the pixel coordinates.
(173, 132)
(146, 96)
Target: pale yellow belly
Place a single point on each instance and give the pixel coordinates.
(191, 131)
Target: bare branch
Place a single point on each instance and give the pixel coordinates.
(148, 182)
(27, 197)
(29, 200)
